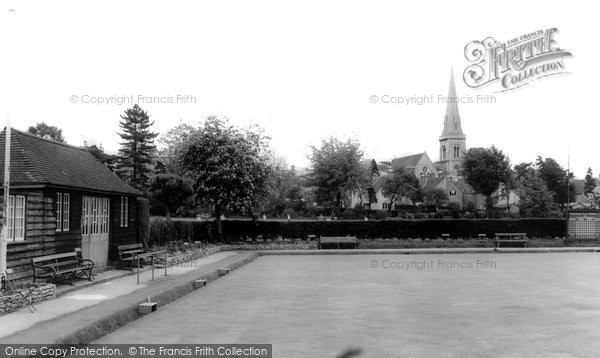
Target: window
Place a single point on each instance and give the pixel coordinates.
(456, 151)
(58, 211)
(63, 211)
(443, 152)
(15, 219)
(124, 211)
(385, 206)
(452, 192)
(95, 215)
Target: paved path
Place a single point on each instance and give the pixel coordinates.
(94, 294)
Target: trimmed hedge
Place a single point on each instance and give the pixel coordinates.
(162, 231)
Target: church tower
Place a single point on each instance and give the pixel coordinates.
(453, 142)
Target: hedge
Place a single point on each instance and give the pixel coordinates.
(162, 231)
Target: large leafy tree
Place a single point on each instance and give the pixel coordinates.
(535, 200)
(336, 170)
(558, 181)
(484, 169)
(227, 166)
(171, 145)
(171, 191)
(137, 148)
(47, 131)
(399, 185)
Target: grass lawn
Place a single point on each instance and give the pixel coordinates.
(455, 305)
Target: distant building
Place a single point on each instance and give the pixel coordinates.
(444, 174)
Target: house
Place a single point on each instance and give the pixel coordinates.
(62, 198)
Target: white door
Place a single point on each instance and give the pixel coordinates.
(94, 229)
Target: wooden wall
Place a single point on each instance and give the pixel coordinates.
(41, 237)
(121, 235)
(40, 227)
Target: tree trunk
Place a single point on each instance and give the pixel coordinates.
(168, 214)
(219, 224)
(488, 205)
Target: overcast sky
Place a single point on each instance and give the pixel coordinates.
(303, 71)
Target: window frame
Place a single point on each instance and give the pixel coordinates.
(63, 212)
(66, 214)
(16, 224)
(59, 201)
(124, 214)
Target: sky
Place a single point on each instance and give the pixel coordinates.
(301, 70)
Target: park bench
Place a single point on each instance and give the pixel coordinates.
(337, 241)
(511, 238)
(67, 265)
(128, 254)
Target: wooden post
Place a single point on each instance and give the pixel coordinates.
(138, 270)
(4, 232)
(152, 263)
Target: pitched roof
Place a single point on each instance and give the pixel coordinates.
(431, 183)
(409, 161)
(40, 161)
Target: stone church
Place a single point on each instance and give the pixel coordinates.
(443, 174)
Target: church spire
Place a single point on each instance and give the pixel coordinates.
(452, 125)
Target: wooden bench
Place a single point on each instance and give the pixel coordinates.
(337, 240)
(128, 254)
(511, 238)
(67, 265)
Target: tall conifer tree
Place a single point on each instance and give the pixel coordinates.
(137, 147)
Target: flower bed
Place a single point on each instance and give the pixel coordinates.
(12, 300)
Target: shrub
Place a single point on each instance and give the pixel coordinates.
(162, 231)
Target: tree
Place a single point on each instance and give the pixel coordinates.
(484, 169)
(436, 197)
(171, 145)
(590, 183)
(171, 191)
(109, 160)
(336, 170)
(46, 131)
(283, 189)
(535, 200)
(558, 181)
(400, 185)
(227, 166)
(137, 147)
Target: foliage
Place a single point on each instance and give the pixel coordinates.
(556, 179)
(109, 160)
(436, 197)
(336, 170)
(484, 169)
(47, 131)
(535, 200)
(171, 147)
(143, 221)
(399, 185)
(285, 189)
(590, 183)
(454, 209)
(137, 147)
(171, 191)
(227, 166)
(239, 230)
